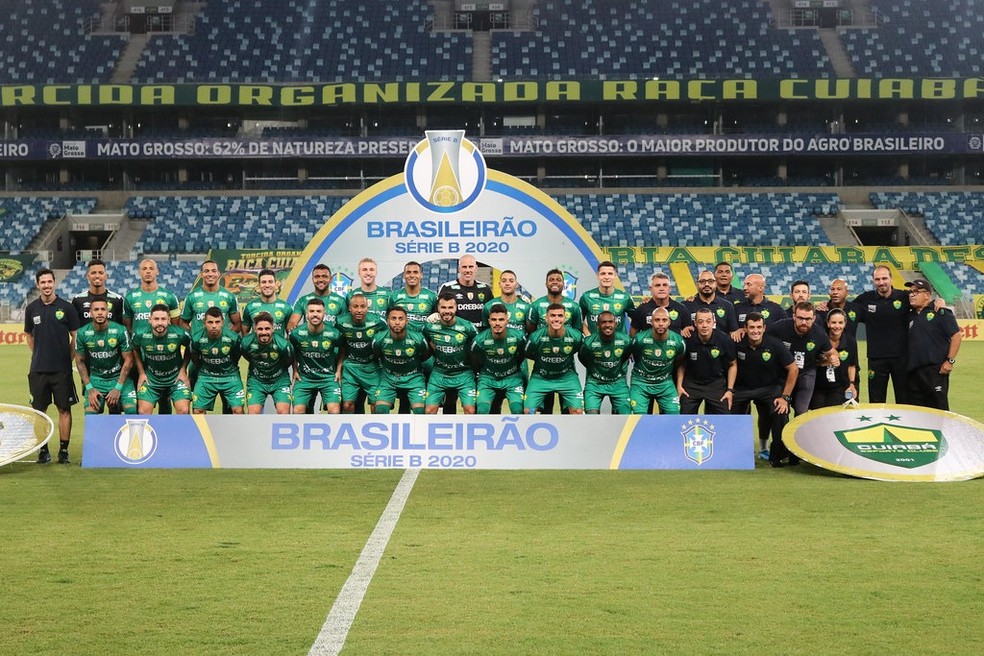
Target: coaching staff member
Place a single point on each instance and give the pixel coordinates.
(709, 368)
(934, 339)
(50, 323)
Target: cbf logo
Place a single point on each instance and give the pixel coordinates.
(135, 442)
(698, 440)
(445, 182)
(341, 283)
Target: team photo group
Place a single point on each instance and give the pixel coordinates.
(416, 350)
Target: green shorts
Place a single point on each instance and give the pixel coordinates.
(128, 395)
(617, 391)
(257, 391)
(462, 383)
(511, 386)
(151, 393)
(414, 385)
(358, 376)
(206, 389)
(665, 394)
(568, 386)
(306, 392)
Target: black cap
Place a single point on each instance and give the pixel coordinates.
(920, 283)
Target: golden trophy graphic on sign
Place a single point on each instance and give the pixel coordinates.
(445, 145)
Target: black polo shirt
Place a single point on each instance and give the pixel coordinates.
(853, 312)
(887, 323)
(848, 352)
(706, 362)
(804, 348)
(51, 325)
(724, 312)
(929, 336)
(642, 316)
(762, 366)
(734, 295)
(771, 312)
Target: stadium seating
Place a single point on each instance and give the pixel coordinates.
(604, 39)
(332, 40)
(194, 224)
(21, 218)
(44, 41)
(702, 219)
(918, 38)
(953, 217)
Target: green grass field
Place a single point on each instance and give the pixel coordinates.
(769, 561)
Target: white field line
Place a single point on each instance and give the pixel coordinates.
(331, 639)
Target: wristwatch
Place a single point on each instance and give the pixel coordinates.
(952, 360)
(787, 398)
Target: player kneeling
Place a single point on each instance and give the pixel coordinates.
(161, 354)
(498, 354)
(269, 355)
(216, 353)
(103, 357)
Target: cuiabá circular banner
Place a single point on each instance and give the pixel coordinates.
(446, 203)
(890, 442)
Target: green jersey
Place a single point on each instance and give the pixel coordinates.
(401, 357)
(518, 311)
(335, 305)
(378, 300)
(279, 309)
(103, 349)
(219, 357)
(606, 362)
(161, 357)
(199, 301)
(655, 360)
(451, 345)
(593, 303)
(553, 357)
(418, 307)
(538, 312)
(499, 358)
(316, 353)
(267, 362)
(357, 338)
(138, 303)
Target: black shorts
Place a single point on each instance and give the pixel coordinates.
(47, 387)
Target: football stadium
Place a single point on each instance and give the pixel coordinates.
(803, 141)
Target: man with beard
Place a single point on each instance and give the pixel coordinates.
(358, 329)
(605, 356)
(657, 353)
(766, 377)
(755, 301)
(499, 357)
(799, 292)
(707, 297)
(216, 353)
(279, 310)
(707, 374)
(450, 341)
(96, 275)
(401, 354)
(161, 355)
(537, 317)
(334, 304)
(103, 357)
(317, 365)
(553, 350)
(517, 306)
(809, 345)
(270, 357)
